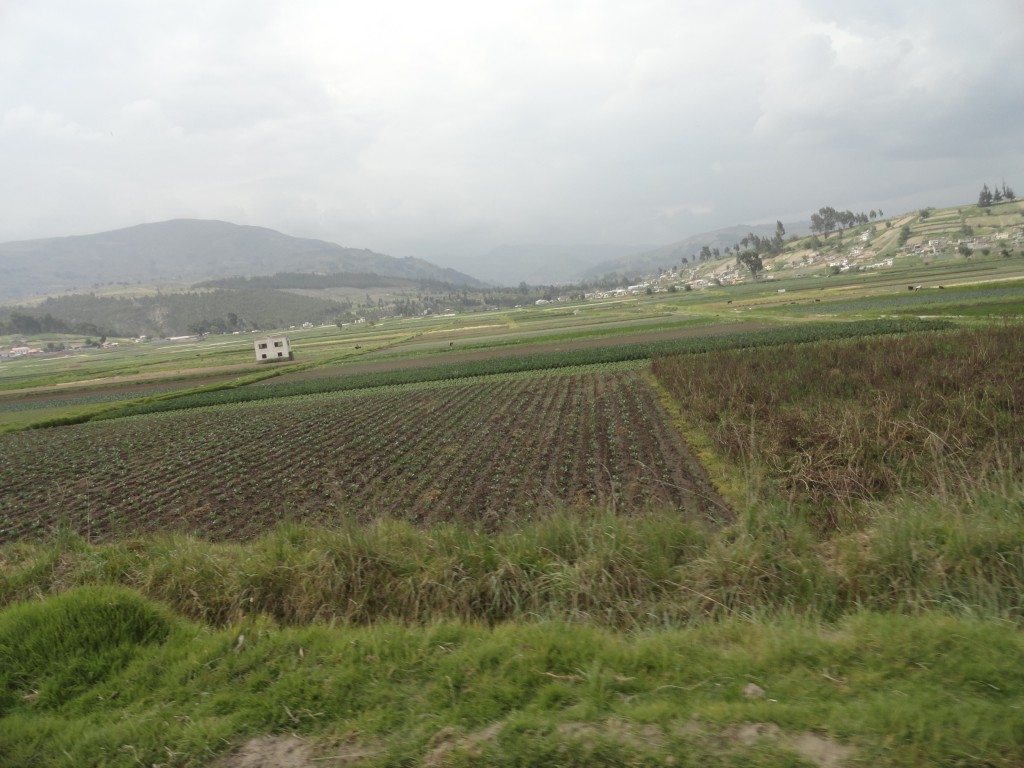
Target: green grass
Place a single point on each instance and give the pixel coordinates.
(881, 689)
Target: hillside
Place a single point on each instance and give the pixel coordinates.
(667, 256)
(188, 250)
(542, 263)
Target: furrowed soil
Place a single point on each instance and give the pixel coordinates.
(490, 453)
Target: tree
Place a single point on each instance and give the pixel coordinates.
(824, 221)
(752, 261)
(964, 250)
(984, 197)
(778, 241)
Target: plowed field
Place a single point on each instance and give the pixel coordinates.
(491, 452)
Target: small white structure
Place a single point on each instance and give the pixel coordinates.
(273, 349)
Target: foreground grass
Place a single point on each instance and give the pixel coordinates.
(953, 553)
(100, 675)
(570, 641)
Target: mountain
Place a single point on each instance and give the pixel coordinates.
(541, 263)
(648, 262)
(189, 250)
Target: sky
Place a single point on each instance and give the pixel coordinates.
(447, 129)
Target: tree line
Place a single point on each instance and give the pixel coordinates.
(23, 323)
(989, 197)
(827, 220)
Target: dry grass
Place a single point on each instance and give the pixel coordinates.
(836, 423)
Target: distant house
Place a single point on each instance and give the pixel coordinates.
(273, 349)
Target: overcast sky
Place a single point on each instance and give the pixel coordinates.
(443, 129)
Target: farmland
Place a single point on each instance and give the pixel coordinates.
(574, 535)
(833, 424)
(493, 451)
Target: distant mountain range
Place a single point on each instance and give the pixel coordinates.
(542, 263)
(189, 250)
(665, 256)
(545, 263)
(194, 250)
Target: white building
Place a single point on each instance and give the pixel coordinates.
(273, 348)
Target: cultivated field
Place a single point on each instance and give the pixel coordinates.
(491, 452)
(831, 424)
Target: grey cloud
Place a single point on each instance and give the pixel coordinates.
(453, 128)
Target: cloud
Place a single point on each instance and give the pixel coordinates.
(452, 127)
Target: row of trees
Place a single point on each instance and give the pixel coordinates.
(989, 197)
(748, 250)
(28, 324)
(756, 248)
(828, 219)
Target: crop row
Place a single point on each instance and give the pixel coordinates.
(12, 404)
(491, 452)
(908, 302)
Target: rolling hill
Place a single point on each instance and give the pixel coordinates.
(189, 250)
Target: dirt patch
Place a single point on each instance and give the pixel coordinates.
(820, 750)
(447, 740)
(271, 752)
(639, 737)
(293, 752)
(647, 739)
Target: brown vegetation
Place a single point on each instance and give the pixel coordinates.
(838, 422)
